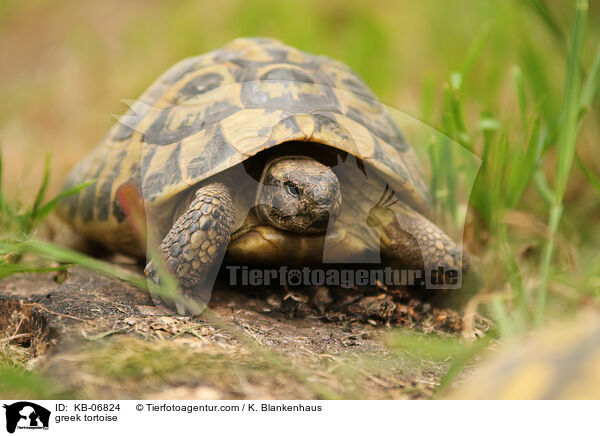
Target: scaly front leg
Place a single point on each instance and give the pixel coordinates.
(197, 241)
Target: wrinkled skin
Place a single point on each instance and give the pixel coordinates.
(298, 194)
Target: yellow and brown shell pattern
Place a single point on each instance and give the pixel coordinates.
(211, 112)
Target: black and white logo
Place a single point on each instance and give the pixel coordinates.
(26, 415)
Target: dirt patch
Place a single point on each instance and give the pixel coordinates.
(101, 338)
(25, 325)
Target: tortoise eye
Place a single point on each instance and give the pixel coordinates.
(292, 189)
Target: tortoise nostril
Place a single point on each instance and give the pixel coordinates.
(323, 200)
(323, 196)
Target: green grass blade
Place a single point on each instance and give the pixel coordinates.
(440, 349)
(592, 83)
(428, 100)
(542, 11)
(475, 50)
(542, 186)
(41, 191)
(57, 253)
(6, 270)
(524, 166)
(429, 347)
(567, 136)
(517, 75)
(19, 383)
(593, 179)
(2, 202)
(460, 361)
(132, 203)
(456, 112)
(534, 69)
(51, 205)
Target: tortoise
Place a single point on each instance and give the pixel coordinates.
(266, 154)
(561, 362)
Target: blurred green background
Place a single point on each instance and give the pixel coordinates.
(65, 65)
(514, 81)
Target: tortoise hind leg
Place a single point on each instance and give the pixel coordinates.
(196, 243)
(415, 242)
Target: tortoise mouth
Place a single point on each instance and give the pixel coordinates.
(320, 223)
(305, 223)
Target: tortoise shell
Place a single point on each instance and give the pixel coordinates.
(209, 113)
(560, 362)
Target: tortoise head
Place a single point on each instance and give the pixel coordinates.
(299, 194)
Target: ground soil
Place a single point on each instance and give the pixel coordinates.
(96, 337)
